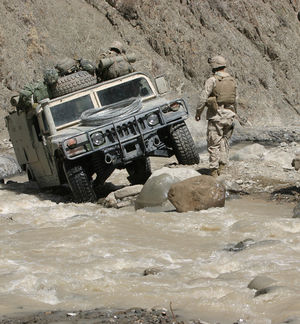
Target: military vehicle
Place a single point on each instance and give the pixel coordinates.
(81, 136)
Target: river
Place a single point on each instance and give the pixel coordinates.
(60, 255)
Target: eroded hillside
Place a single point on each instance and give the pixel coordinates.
(260, 38)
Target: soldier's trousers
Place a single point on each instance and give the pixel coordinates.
(219, 133)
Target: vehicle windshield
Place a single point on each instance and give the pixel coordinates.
(70, 111)
(134, 88)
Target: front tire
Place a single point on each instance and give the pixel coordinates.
(80, 184)
(183, 144)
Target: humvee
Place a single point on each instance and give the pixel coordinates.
(81, 137)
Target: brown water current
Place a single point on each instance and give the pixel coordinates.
(58, 255)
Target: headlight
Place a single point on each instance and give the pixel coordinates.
(98, 138)
(152, 120)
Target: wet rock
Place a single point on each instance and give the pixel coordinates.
(253, 151)
(296, 161)
(269, 290)
(128, 191)
(261, 282)
(295, 320)
(8, 166)
(151, 271)
(282, 158)
(242, 245)
(296, 211)
(155, 191)
(110, 201)
(197, 193)
(178, 174)
(122, 197)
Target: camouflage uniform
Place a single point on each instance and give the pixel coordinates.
(119, 63)
(220, 123)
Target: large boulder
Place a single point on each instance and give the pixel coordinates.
(177, 173)
(197, 193)
(155, 191)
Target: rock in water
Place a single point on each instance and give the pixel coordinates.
(155, 191)
(296, 211)
(8, 166)
(197, 193)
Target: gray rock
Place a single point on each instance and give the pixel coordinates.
(128, 191)
(8, 166)
(242, 245)
(296, 161)
(253, 151)
(296, 211)
(178, 174)
(151, 271)
(261, 282)
(155, 191)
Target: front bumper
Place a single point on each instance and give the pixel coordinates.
(129, 138)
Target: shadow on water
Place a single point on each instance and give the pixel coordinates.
(55, 194)
(291, 193)
(58, 194)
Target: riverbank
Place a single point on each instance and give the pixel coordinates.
(129, 316)
(255, 170)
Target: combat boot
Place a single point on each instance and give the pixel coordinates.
(221, 168)
(214, 172)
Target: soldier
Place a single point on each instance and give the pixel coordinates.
(219, 96)
(114, 62)
(34, 92)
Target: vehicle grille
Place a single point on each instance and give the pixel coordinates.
(124, 130)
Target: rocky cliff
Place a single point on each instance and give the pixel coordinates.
(260, 39)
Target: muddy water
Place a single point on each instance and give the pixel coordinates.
(58, 255)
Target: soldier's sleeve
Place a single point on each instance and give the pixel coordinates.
(206, 92)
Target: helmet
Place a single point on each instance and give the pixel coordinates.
(217, 62)
(117, 47)
(50, 76)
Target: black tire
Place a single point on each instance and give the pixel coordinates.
(183, 144)
(139, 171)
(73, 82)
(80, 184)
(30, 175)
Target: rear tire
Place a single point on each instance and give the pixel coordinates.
(73, 82)
(183, 144)
(139, 171)
(80, 184)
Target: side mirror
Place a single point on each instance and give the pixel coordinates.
(161, 85)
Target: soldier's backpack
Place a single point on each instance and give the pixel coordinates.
(32, 93)
(66, 66)
(115, 66)
(87, 65)
(225, 90)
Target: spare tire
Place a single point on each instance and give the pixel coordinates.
(73, 82)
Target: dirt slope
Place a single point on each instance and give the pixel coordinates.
(260, 38)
